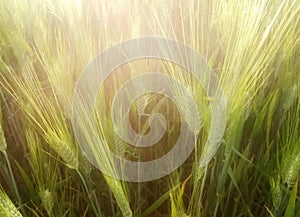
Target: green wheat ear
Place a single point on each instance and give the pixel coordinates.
(85, 165)
(7, 208)
(276, 193)
(47, 201)
(291, 169)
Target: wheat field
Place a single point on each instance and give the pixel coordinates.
(252, 47)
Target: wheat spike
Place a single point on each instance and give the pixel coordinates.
(7, 208)
(190, 113)
(120, 195)
(47, 201)
(218, 124)
(291, 170)
(68, 156)
(85, 164)
(119, 145)
(276, 194)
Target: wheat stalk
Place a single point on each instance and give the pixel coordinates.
(3, 145)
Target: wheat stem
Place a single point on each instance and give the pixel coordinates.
(12, 178)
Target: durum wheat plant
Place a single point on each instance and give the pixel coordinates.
(253, 48)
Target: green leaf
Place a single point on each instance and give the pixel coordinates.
(158, 202)
(290, 210)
